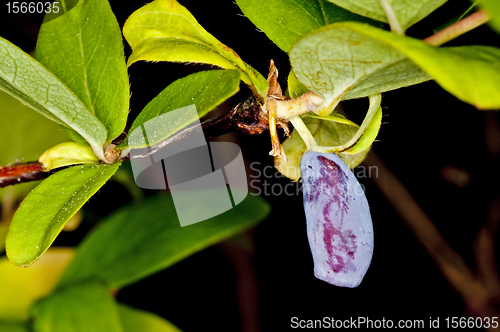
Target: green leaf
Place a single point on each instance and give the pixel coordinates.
(4, 228)
(21, 288)
(13, 327)
(206, 90)
(370, 132)
(27, 80)
(65, 154)
(374, 111)
(326, 133)
(334, 116)
(134, 320)
(337, 62)
(456, 18)
(47, 208)
(493, 9)
(397, 75)
(138, 241)
(470, 73)
(331, 134)
(60, 8)
(404, 13)
(285, 21)
(295, 88)
(25, 138)
(83, 308)
(84, 49)
(163, 30)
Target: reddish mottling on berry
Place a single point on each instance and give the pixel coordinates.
(339, 225)
(340, 244)
(328, 162)
(333, 179)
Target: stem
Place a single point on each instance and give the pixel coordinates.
(374, 106)
(391, 17)
(303, 131)
(457, 29)
(63, 3)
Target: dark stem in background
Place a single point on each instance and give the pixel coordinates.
(247, 117)
(480, 291)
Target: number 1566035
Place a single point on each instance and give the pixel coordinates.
(32, 7)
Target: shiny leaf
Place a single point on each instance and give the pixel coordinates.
(163, 30)
(338, 63)
(138, 241)
(369, 134)
(24, 139)
(65, 154)
(84, 49)
(470, 73)
(82, 308)
(134, 320)
(27, 80)
(406, 14)
(206, 90)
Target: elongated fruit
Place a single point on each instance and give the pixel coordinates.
(339, 225)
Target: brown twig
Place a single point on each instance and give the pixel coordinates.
(241, 257)
(21, 172)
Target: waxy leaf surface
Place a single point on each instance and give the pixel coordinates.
(44, 212)
(138, 241)
(27, 80)
(83, 308)
(285, 21)
(163, 30)
(84, 49)
(206, 90)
